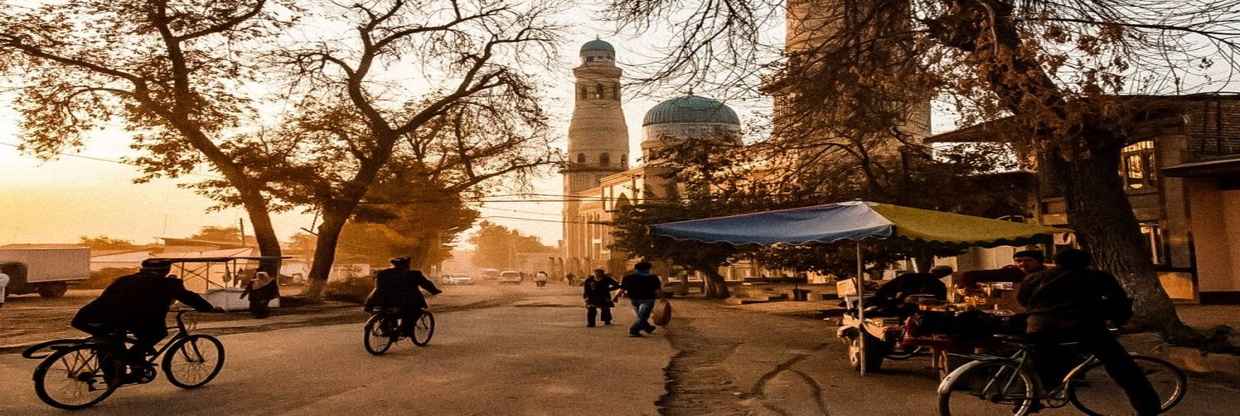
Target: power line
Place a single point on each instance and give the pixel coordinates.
(106, 160)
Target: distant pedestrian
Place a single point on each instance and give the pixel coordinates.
(540, 279)
(571, 278)
(4, 281)
(597, 294)
(643, 289)
(261, 290)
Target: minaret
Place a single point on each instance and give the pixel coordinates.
(598, 140)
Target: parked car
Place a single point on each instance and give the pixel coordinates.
(509, 276)
(456, 279)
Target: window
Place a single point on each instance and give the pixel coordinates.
(615, 92)
(1154, 242)
(598, 91)
(604, 160)
(581, 158)
(1140, 171)
(585, 92)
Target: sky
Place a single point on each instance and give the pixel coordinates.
(87, 193)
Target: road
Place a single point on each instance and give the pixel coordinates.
(526, 352)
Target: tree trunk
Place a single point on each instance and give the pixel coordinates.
(264, 232)
(1100, 213)
(325, 252)
(716, 287)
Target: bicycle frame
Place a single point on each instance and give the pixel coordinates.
(1022, 363)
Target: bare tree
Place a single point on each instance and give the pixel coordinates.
(471, 115)
(1054, 66)
(169, 70)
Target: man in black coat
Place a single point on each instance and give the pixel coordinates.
(1072, 302)
(596, 291)
(399, 287)
(137, 303)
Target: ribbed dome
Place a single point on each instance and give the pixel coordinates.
(691, 109)
(598, 45)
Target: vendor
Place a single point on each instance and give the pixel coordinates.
(891, 296)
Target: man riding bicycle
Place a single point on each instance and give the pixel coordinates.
(1073, 303)
(137, 304)
(398, 287)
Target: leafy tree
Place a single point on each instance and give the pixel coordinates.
(475, 119)
(216, 233)
(104, 242)
(171, 72)
(1053, 66)
(497, 246)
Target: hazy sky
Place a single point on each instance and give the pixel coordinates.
(84, 194)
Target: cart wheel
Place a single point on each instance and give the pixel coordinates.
(875, 350)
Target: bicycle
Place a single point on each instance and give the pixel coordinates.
(382, 330)
(72, 375)
(1011, 381)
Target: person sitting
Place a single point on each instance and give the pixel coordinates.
(137, 304)
(399, 287)
(891, 297)
(261, 290)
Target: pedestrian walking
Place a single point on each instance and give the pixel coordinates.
(571, 278)
(597, 294)
(540, 279)
(261, 290)
(642, 288)
(4, 282)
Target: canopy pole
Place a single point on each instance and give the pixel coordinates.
(861, 332)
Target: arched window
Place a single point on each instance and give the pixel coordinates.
(604, 160)
(581, 158)
(615, 92)
(585, 92)
(598, 91)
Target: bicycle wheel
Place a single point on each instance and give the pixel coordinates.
(1095, 393)
(423, 329)
(376, 338)
(193, 361)
(73, 378)
(986, 387)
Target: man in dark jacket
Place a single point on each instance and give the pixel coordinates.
(1072, 302)
(642, 288)
(891, 296)
(399, 287)
(597, 294)
(137, 303)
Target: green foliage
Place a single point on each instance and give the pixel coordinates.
(106, 243)
(216, 233)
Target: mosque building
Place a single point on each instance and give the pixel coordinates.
(597, 178)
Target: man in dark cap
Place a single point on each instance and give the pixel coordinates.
(399, 287)
(1073, 302)
(137, 304)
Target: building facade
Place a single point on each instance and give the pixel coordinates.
(1181, 172)
(598, 180)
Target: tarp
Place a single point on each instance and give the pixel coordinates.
(856, 221)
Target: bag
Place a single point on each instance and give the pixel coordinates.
(662, 312)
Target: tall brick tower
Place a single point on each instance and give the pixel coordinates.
(598, 140)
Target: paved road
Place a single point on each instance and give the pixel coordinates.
(526, 352)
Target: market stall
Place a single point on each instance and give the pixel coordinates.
(859, 222)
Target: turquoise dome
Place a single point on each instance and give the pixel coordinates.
(691, 109)
(598, 45)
